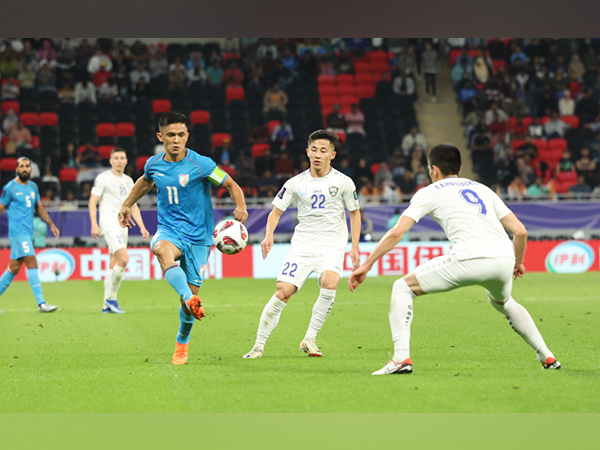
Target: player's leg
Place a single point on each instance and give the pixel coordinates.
(292, 276)
(116, 241)
(9, 274)
(36, 285)
(498, 288)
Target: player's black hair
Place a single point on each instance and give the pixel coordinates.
(446, 157)
(23, 158)
(323, 134)
(172, 117)
(118, 149)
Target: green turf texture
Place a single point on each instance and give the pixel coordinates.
(466, 356)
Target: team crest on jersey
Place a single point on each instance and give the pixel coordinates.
(302, 190)
(333, 190)
(184, 179)
(33, 196)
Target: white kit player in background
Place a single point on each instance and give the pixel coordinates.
(111, 188)
(473, 218)
(319, 241)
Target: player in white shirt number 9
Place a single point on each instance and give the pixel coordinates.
(473, 218)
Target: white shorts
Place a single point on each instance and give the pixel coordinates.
(296, 268)
(446, 273)
(116, 239)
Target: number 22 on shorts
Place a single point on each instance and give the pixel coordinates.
(292, 267)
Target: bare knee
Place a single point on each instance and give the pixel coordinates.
(14, 266)
(122, 258)
(413, 284)
(285, 291)
(30, 262)
(329, 280)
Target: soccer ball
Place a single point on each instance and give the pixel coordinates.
(230, 237)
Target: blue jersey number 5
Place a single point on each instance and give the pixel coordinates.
(472, 198)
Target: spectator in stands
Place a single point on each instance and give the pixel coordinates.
(366, 227)
(517, 189)
(362, 173)
(547, 102)
(412, 138)
(587, 167)
(109, 91)
(527, 148)
(139, 72)
(566, 104)
(26, 78)
(264, 163)
(537, 190)
(20, 135)
(70, 203)
(9, 64)
(555, 128)
(495, 114)
(267, 185)
(384, 89)
(525, 169)
(86, 190)
(10, 89)
(83, 54)
(581, 190)
(535, 128)
(282, 135)
(576, 69)
(587, 109)
(460, 75)
(335, 120)
(565, 164)
(496, 49)
(418, 164)
(233, 76)
(46, 79)
(519, 130)
(142, 90)
(85, 91)
(266, 46)
(355, 120)
(215, 75)
(406, 183)
(289, 60)
(96, 62)
(482, 67)
(275, 100)
(67, 94)
(345, 167)
(482, 156)
(10, 121)
(49, 199)
(431, 66)
(196, 57)
(368, 193)
(517, 54)
(259, 134)
(101, 76)
(177, 64)
(71, 158)
(408, 61)
(403, 84)
(90, 158)
(139, 52)
(159, 64)
(28, 56)
(178, 81)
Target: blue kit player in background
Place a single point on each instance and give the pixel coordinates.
(20, 197)
(185, 217)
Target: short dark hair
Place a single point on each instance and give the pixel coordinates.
(118, 149)
(172, 117)
(323, 134)
(23, 158)
(445, 157)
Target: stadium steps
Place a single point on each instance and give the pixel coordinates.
(440, 121)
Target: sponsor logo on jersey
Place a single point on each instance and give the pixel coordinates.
(281, 193)
(18, 193)
(184, 179)
(333, 190)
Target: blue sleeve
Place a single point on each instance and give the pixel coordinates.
(147, 176)
(206, 164)
(6, 196)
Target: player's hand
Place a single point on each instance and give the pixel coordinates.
(95, 231)
(125, 219)
(355, 256)
(357, 277)
(240, 214)
(55, 231)
(519, 271)
(266, 245)
(145, 233)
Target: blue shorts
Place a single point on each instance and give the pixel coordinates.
(21, 246)
(193, 259)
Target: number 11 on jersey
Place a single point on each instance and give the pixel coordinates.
(173, 195)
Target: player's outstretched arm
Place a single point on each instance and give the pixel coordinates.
(355, 234)
(240, 213)
(137, 216)
(272, 222)
(385, 244)
(140, 188)
(93, 208)
(514, 225)
(46, 218)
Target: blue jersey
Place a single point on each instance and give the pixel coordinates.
(19, 200)
(184, 203)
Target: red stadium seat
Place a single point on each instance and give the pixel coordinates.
(218, 138)
(7, 105)
(328, 89)
(364, 78)
(106, 129)
(344, 78)
(105, 151)
(545, 155)
(272, 124)
(365, 91)
(361, 67)
(199, 116)
(497, 63)
(5, 140)
(161, 105)
(30, 119)
(571, 120)
(454, 54)
(341, 136)
(235, 93)
(69, 174)
(326, 79)
(347, 89)
(557, 143)
(141, 162)
(378, 55)
(347, 100)
(229, 170)
(516, 143)
(8, 164)
(259, 149)
(375, 168)
(329, 100)
(125, 129)
(544, 119)
(527, 120)
(540, 143)
(49, 119)
(378, 67)
(574, 87)
(35, 141)
(512, 122)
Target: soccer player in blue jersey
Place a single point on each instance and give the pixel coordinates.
(185, 217)
(20, 197)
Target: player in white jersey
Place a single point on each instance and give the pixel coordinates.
(319, 240)
(474, 218)
(111, 188)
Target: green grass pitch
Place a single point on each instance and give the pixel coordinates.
(467, 359)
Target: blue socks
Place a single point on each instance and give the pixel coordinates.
(178, 281)
(36, 286)
(5, 281)
(186, 322)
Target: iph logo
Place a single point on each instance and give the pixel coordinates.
(55, 265)
(570, 257)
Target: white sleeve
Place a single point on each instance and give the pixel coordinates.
(500, 207)
(421, 204)
(99, 185)
(285, 196)
(350, 195)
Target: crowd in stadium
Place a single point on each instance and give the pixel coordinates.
(530, 109)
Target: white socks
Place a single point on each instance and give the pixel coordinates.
(520, 320)
(320, 312)
(401, 316)
(269, 319)
(112, 282)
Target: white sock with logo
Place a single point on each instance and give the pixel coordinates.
(107, 283)
(320, 312)
(117, 277)
(401, 316)
(269, 319)
(520, 320)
